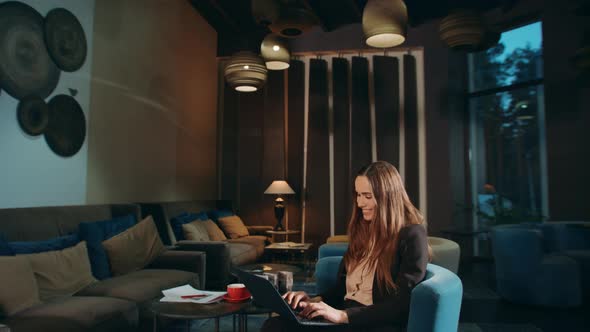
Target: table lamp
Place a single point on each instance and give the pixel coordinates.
(279, 188)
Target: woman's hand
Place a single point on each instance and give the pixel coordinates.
(315, 309)
(294, 298)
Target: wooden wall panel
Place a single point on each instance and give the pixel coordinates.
(412, 170)
(341, 110)
(386, 88)
(317, 210)
(229, 159)
(250, 147)
(360, 117)
(273, 167)
(294, 153)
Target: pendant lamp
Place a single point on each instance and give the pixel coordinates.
(275, 53)
(245, 72)
(385, 23)
(463, 29)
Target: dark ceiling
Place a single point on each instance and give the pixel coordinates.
(237, 28)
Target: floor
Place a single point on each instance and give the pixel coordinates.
(482, 309)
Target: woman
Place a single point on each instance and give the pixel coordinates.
(386, 257)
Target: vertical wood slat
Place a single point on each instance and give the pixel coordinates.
(229, 163)
(317, 211)
(386, 87)
(273, 160)
(360, 118)
(341, 110)
(250, 156)
(294, 153)
(412, 165)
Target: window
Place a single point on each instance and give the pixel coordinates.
(507, 130)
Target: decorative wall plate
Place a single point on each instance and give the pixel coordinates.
(65, 39)
(66, 130)
(33, 115)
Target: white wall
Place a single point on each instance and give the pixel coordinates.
(30, 173)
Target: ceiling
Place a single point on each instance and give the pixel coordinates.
(237, 28)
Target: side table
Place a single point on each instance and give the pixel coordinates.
(190, 311)
(284, 233)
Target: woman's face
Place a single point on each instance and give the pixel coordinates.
(365, 200)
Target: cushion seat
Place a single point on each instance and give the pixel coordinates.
(241, 253)
(78, 313)
(257, 241)
(140, 286)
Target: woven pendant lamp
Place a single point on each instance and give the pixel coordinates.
(275, 52)
(463, 29)
(245, 72)
(385, 23)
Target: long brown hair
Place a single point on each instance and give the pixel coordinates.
(378, 240)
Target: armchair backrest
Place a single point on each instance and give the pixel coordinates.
(436, 302)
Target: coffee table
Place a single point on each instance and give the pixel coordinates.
(269, 267)
(191, 311)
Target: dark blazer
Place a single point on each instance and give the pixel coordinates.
(408, 269)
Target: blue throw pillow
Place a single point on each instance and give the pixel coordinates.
(4, 247)
(185, 218)
(33, 247)
(216, 214)
(97, 231)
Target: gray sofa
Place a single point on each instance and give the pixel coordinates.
(119, 303)
(221, 255)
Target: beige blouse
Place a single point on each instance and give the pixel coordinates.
(359, 284)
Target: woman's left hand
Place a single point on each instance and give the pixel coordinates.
(315, 309)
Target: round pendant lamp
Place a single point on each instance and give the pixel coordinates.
(385, 23)
(245, 72)
(463, 29)
(275, 53)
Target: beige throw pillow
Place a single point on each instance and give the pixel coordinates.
(233, 226)
(61, 272)
(135, 248)
(215, 233)
(195, 231)
(18, 287)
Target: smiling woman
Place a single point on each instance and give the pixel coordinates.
(385, 260)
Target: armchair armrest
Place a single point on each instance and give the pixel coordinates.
(190, 261)
(259, 230)
(218, 260)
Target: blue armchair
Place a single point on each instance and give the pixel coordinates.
(529, 271)
(435, 303)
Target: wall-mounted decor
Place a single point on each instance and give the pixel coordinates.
(33, 115)
(66, 130)
(25, 68)
(65, 39)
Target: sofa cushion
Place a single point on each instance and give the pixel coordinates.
(242, 253)
(195, 231)
(256, 241)
(140, 286)
(135, 248)
(5, 249)
(233, 227)
(78, 313)
(61, 272)
(215, 233)
(185, 218)
(32, 247)
(96, 232)
(18, 287)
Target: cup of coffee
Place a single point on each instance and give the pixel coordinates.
(237, 291)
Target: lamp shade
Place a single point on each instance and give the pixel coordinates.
(245, 72)
(279, 188)
(463, 29)
(275, 52)
(385, 23)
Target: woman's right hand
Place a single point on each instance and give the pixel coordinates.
(293, 298)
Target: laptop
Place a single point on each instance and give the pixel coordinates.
(265, 294)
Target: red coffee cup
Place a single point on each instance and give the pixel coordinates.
(237, 291)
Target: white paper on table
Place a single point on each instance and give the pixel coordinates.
(175, 295)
